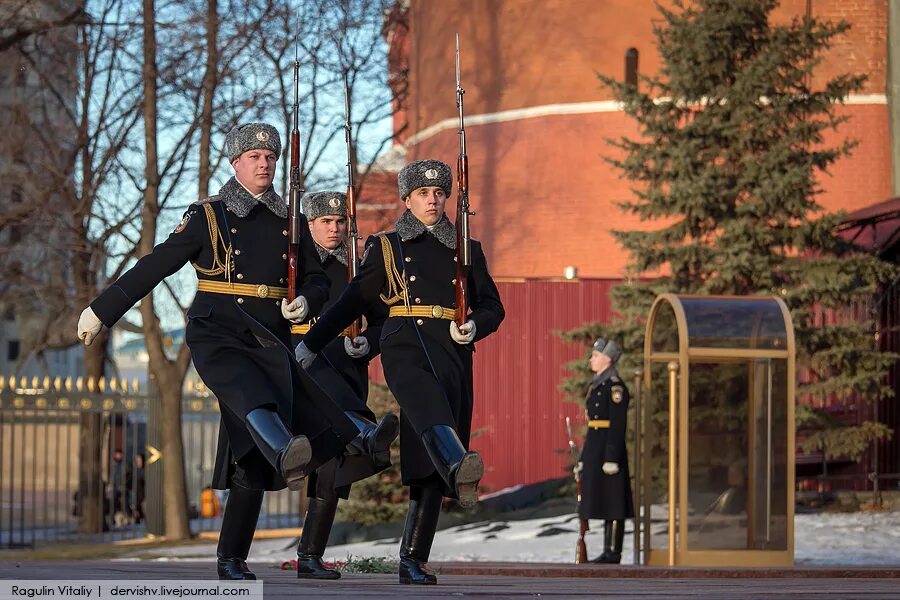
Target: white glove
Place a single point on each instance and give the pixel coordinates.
(304, 355)
(610, 468)
(578, 469)
(88, 326)
(296, 310)
(464, 334)
(361, 348)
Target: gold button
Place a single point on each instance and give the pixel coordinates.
(233, 230)
(281, 280)
(412, 277)
(420, 322)
(240, 300)
(453, 281)
(284, 256)
(408, 259)
(262, 291)
(454, 259)
(284, 232)
(437, 312)
(418, 301)
(237, 252)
(228, 208)
(240, 275)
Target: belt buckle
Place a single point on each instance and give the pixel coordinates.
(262, 291)
(437, 312)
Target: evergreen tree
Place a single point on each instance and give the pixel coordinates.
(727, 162)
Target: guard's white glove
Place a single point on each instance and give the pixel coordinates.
(304, 355)
(578, 469)
(361, 348)
(610, 468)
(464, 334)
(88, 326)
(295, 310)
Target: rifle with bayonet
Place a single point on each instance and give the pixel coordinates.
(580, 545)
(352, 231)
(295, 194)
(463, 237)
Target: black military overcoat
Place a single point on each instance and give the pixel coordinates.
(606, 496)
(428, 373)
(240, 345)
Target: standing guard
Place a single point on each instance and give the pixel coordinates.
(238, 331)
(427, 357)
(605, 483)
(342, 371)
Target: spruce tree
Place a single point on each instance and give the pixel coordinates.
(727, 163)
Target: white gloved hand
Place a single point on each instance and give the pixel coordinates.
(610, 468)
(295, 310)
(88, 326)
(578, 469)
(304, 355)
(464, 334)
(358, 351)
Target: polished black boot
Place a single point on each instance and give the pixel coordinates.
(613, 537)
(461, 470)
(316, 528)
(238, 526)
(421, 523)
(374, 440)
(290, 455)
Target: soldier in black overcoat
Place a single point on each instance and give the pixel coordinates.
(605, 484)
(342, 371)
(427, 358)
(277, 424)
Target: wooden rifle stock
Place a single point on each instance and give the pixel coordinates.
(583, 528)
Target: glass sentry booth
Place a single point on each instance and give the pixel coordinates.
(714, 442)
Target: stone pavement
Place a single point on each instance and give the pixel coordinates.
(506, 580)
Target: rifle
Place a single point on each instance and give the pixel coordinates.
(463, 237)
(352, 231)
(295, 194)
(580, 545)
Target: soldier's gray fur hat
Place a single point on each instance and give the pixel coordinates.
(424, 173)
(609, 348)
(252, 136)
(320, 204)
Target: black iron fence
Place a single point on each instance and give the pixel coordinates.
(80, 462)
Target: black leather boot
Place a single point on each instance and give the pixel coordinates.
(316, 528)
(238, 526)
(374, 440)
(421, 523)
(462, 470)
(290, 455)
(613, 537)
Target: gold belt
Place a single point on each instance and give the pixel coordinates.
(242, 289)
(305, 327)
(433, 312)
(596, 424)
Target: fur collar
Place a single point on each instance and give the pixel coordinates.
(339, 253)
(239, 200)
(409, 227)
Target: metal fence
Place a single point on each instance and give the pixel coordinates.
(80, 462)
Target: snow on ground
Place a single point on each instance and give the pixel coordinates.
(845, 539)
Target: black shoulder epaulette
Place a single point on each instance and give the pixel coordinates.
(203, 201)
(615, 379)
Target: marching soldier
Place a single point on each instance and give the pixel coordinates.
(427, 358)
(605, 485)
(238, 331)
(342, 371)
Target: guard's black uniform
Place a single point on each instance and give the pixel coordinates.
(428, 373)
(240, 344)
(606, 496)
(344, 378)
